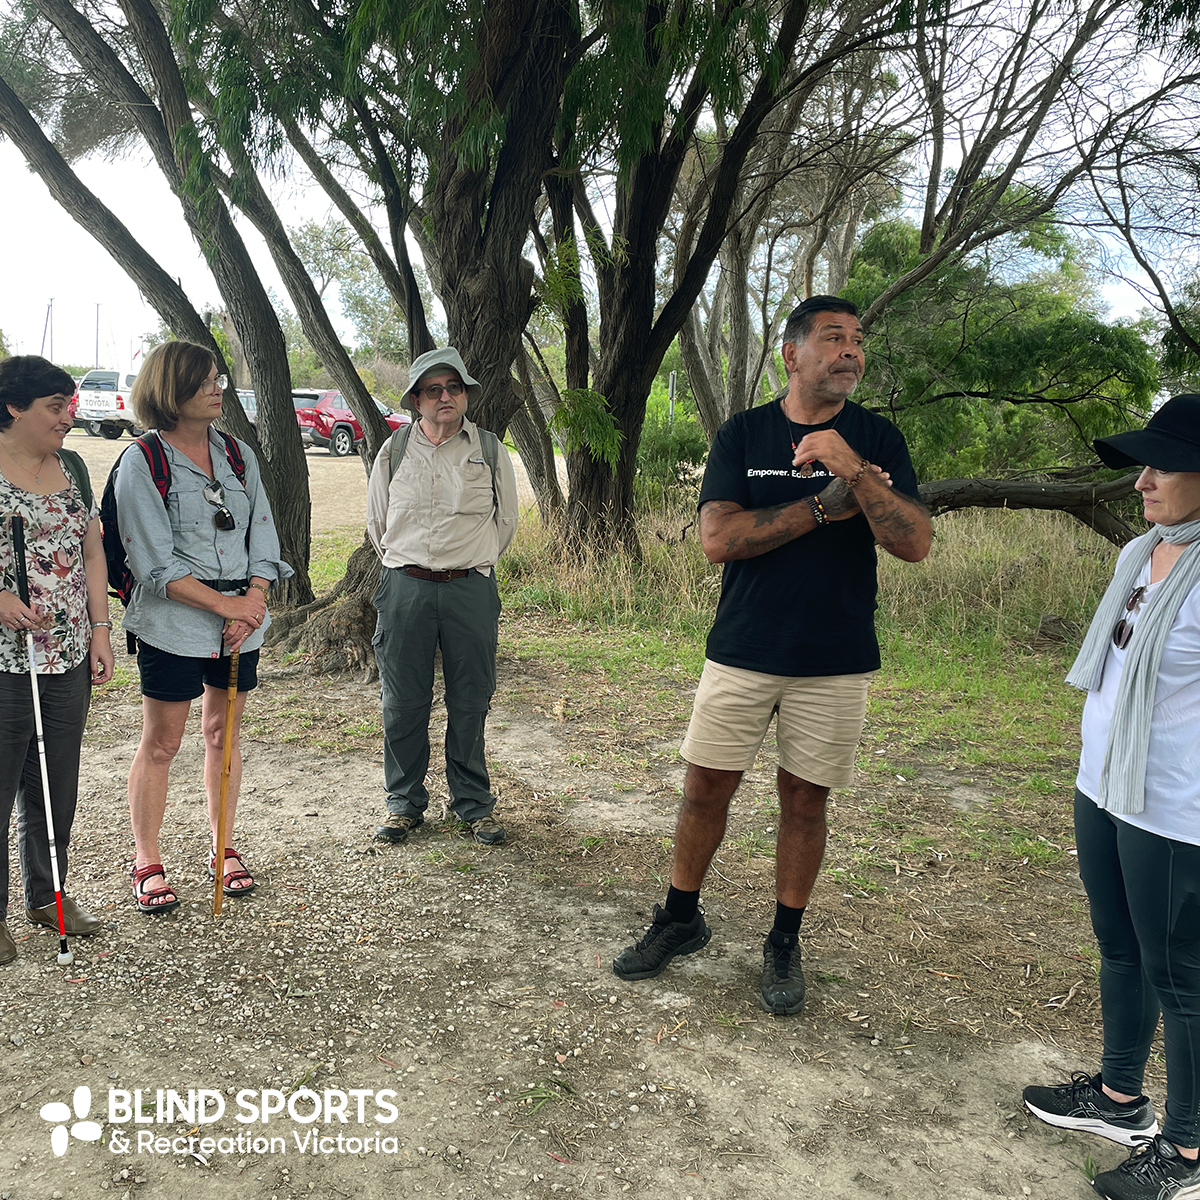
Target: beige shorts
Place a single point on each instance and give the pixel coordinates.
(818, 731)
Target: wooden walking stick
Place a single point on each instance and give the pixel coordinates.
(223, 794)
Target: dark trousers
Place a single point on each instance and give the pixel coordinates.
(415, 618)
(64, 703)
(1145, 898)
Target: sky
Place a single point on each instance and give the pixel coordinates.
(47, 256)
(49, 263)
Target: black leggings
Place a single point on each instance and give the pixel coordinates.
(1145, 897)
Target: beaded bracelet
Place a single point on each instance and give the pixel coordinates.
(818, 511)
(863, 468)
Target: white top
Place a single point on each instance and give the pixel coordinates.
(1173, 764)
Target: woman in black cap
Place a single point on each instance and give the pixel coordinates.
(1137, 822)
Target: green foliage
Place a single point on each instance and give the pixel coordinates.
(1170, 24)
(1000, 363)
(1181, 367)
(304, 367)
(561, 275)
(218, 331)
(670, 453)
(332, 254)
(4, 353)
(76, 115)
(626, 91)
(583, 422)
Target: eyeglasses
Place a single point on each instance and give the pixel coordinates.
(214, 493)
(219, 384)
(434, 391)
(1124, 629)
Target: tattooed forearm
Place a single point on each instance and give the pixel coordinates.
(729, 532)
(901, 526)
(748, 547)
(768, 516)
(838, 499)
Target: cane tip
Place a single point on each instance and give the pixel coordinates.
(66, 958)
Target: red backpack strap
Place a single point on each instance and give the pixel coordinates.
(156, 460)
(233, 452)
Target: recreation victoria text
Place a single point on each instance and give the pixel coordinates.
(255, 1107)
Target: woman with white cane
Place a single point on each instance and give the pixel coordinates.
(198, 533)
(65, 618)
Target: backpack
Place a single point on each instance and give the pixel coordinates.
(120, 578)
(488, 441)
(77, 470)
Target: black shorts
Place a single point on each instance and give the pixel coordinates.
(173, 677)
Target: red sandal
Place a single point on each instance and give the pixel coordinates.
(143, 898)
(234, 875)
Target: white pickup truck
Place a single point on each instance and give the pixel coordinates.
(102, 404)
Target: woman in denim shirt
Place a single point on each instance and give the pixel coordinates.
(204, 562)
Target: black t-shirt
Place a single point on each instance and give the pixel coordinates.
(807, 607)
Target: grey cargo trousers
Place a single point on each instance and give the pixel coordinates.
(415, 618)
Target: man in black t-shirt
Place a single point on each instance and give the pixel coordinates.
(796, 496)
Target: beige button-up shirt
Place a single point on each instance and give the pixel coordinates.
(439, 511)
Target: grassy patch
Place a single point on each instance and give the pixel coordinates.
(331, 549)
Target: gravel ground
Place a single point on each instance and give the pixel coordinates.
(464, 994)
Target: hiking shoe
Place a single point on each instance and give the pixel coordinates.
(1081, 1105)
(782, 980)
(8, 948)
(488, 832)
(665, 939)
(1154, 1171)
(396, 828)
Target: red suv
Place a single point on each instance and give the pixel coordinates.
(326, 421)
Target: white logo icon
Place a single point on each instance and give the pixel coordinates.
(57, 1111)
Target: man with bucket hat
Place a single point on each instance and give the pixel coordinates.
(441, 509)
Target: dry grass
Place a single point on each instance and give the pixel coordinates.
(989, 579)
(994, 574)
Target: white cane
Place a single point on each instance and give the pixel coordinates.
(65, 957)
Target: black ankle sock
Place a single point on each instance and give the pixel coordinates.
(787, 925)
(682, 905)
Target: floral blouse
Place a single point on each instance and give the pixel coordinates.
(54, 529)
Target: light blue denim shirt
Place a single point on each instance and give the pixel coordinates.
(165, 542)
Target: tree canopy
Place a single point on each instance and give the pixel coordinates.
(577, 187)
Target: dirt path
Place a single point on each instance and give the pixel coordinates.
(468, 992)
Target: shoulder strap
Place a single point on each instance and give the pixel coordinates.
(78, 471)
(156, 460)
(233, 452)
(397, 445)
(490, 444)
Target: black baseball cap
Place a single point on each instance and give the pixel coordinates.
(1170, 442)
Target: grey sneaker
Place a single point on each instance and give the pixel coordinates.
(1154, 1171)
(782, 980)
(396, 828)
(488, 832)
(664, 940)
(1080, 1104)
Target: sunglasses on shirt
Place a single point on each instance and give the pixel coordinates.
(214, 493)
(1124, 627)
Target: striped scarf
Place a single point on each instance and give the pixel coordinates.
(1123, 775)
